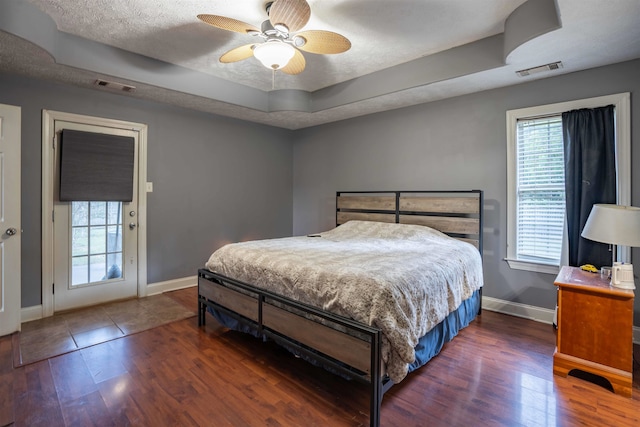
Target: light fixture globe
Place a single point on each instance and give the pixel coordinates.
(274, 54)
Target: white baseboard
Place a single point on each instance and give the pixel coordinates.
(539, 314)
(28, 314)
(171, 285)
(530, 312)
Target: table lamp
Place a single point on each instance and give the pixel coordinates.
(615, 225)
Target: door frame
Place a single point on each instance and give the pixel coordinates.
(49, 118)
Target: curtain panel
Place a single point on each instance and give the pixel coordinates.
(590, 177)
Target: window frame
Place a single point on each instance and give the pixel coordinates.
(622, 103)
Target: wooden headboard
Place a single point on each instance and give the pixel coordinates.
(455, 213)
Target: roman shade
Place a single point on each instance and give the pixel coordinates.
(96, 166)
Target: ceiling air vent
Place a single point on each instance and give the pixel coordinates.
(115, 86)
(540, 69)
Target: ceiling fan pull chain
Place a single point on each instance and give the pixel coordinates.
(273, 79)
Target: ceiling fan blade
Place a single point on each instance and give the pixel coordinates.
(322, 42)
(227, 23)
(293, 13)
(296, 64)
(237, 54)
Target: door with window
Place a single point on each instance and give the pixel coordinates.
(95, 241)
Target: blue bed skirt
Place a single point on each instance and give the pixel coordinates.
(428, 346)
(431, 344)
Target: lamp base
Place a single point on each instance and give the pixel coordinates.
(622, 276)
(624, 285)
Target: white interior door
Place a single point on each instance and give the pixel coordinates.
(95, 243)
(10, 230)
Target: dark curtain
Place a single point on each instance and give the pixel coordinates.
(590, 177)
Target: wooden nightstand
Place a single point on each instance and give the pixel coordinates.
(595, 328)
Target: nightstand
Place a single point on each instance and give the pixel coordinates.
(595, 328)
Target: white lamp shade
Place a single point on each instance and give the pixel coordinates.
(613, 224)
(274, 54)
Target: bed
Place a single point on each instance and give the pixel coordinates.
(304, 292)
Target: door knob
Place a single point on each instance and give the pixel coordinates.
(11, 231)
(132, 225)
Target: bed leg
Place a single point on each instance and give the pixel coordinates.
(376, 382)
(201, 312)
(376, 402)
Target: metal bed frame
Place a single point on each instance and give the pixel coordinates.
(324, 336)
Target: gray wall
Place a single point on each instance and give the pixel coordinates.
(215, 179)
(458, 143)
(201, 201)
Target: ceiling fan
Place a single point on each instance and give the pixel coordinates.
(281, 45)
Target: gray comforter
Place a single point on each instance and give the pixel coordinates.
(403, 279)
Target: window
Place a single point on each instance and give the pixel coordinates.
(535, 181)
(96, 242)
(540, 196)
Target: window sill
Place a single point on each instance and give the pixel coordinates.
(537, 267)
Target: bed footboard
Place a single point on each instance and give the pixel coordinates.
(348, 347)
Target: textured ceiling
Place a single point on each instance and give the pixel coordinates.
(383, 33)
(403, 52)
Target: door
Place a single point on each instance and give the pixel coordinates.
(10, 230)
(95, 243)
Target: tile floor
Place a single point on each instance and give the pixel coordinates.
(69, 331)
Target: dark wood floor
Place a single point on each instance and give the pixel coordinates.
(498, 371)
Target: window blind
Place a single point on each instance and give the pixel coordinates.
(96, 167)
(540, 189)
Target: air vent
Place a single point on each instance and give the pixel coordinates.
(115, 85)
(540, 69)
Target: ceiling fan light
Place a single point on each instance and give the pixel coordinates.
(274, 54)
